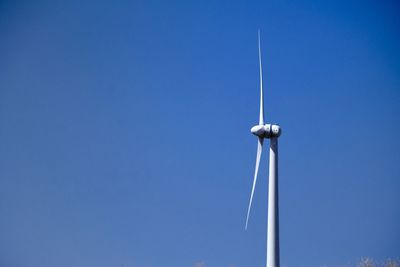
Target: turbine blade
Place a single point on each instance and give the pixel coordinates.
(261, 122)
(259, 150)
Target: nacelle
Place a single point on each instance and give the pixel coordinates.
(267, 130)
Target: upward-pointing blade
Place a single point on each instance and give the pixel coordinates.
(259, 150)
(261, 122)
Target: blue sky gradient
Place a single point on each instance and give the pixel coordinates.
(125, 132)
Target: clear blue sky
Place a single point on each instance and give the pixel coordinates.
(125, 132)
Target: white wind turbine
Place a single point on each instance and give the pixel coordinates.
(272, 132)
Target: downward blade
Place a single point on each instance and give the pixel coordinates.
(259, 150)
(261, 121)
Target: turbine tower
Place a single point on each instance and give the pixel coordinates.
(271, 132)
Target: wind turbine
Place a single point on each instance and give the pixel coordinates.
(271, 132)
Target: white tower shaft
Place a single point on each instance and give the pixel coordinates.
(273, 211)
